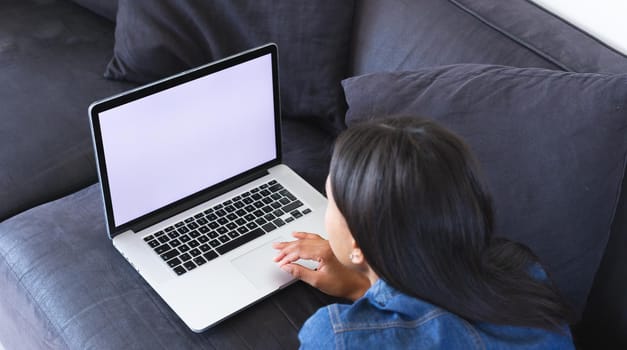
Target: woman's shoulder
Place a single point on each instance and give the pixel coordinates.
(385, 316)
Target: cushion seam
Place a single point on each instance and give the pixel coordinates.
(21, 283)
(519, 41)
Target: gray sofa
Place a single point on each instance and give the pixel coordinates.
(62, 285)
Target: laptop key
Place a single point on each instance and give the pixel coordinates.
(296, 214)
(194, 252)
(183, 248)
(224, 239)
(193, 244)
(162, 248)
(179, 270)
(268, 227)
(175, 243)
(204, 248)
(154, 243)
(214, 243)
(223, 249)
(279, 222)
(185, 257)
(189, 265)
(174, 262)
(288, 208)
(199, 260)
(169, 228)
(306, 211)
(169, 254)
(149, 238)
(210, 255)
(203, 239)
(275, 188)
(163, 239)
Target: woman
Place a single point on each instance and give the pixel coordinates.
(410, 229)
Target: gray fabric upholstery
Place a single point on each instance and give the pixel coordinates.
(396, 35)
(552, 145)
(549, 36)
(52, 55)
(79, 293)
(106, 8)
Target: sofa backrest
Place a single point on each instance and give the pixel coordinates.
(393, 35)
(396, 35)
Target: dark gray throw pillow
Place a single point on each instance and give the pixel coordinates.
(154, 39)
(552, 146)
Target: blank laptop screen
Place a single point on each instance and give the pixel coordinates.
(172, 144)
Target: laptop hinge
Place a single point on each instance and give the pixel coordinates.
(195, 200)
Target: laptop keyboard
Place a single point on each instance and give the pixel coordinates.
(205, 236)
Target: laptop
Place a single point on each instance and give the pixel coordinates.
(194, 189)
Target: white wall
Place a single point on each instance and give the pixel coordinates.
(606, 20)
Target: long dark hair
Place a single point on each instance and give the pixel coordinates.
(412, 198)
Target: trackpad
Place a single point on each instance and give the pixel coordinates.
(258, 266)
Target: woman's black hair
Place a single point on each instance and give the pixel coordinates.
(413, 200)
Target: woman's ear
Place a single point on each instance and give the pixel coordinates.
(356, 256)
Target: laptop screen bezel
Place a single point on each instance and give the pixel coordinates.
(208, 193)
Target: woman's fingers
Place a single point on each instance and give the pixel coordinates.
(307, 246)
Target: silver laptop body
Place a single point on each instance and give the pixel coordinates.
(179, 160)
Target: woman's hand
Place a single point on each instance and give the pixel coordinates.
(331, 276)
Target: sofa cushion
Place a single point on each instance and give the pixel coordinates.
(106, 8)
(156, 39)
(80, 293)
(52, 54)
(393, 35)
(552, 145)
(546, 34)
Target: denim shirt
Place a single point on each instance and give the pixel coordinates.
(385, 318)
